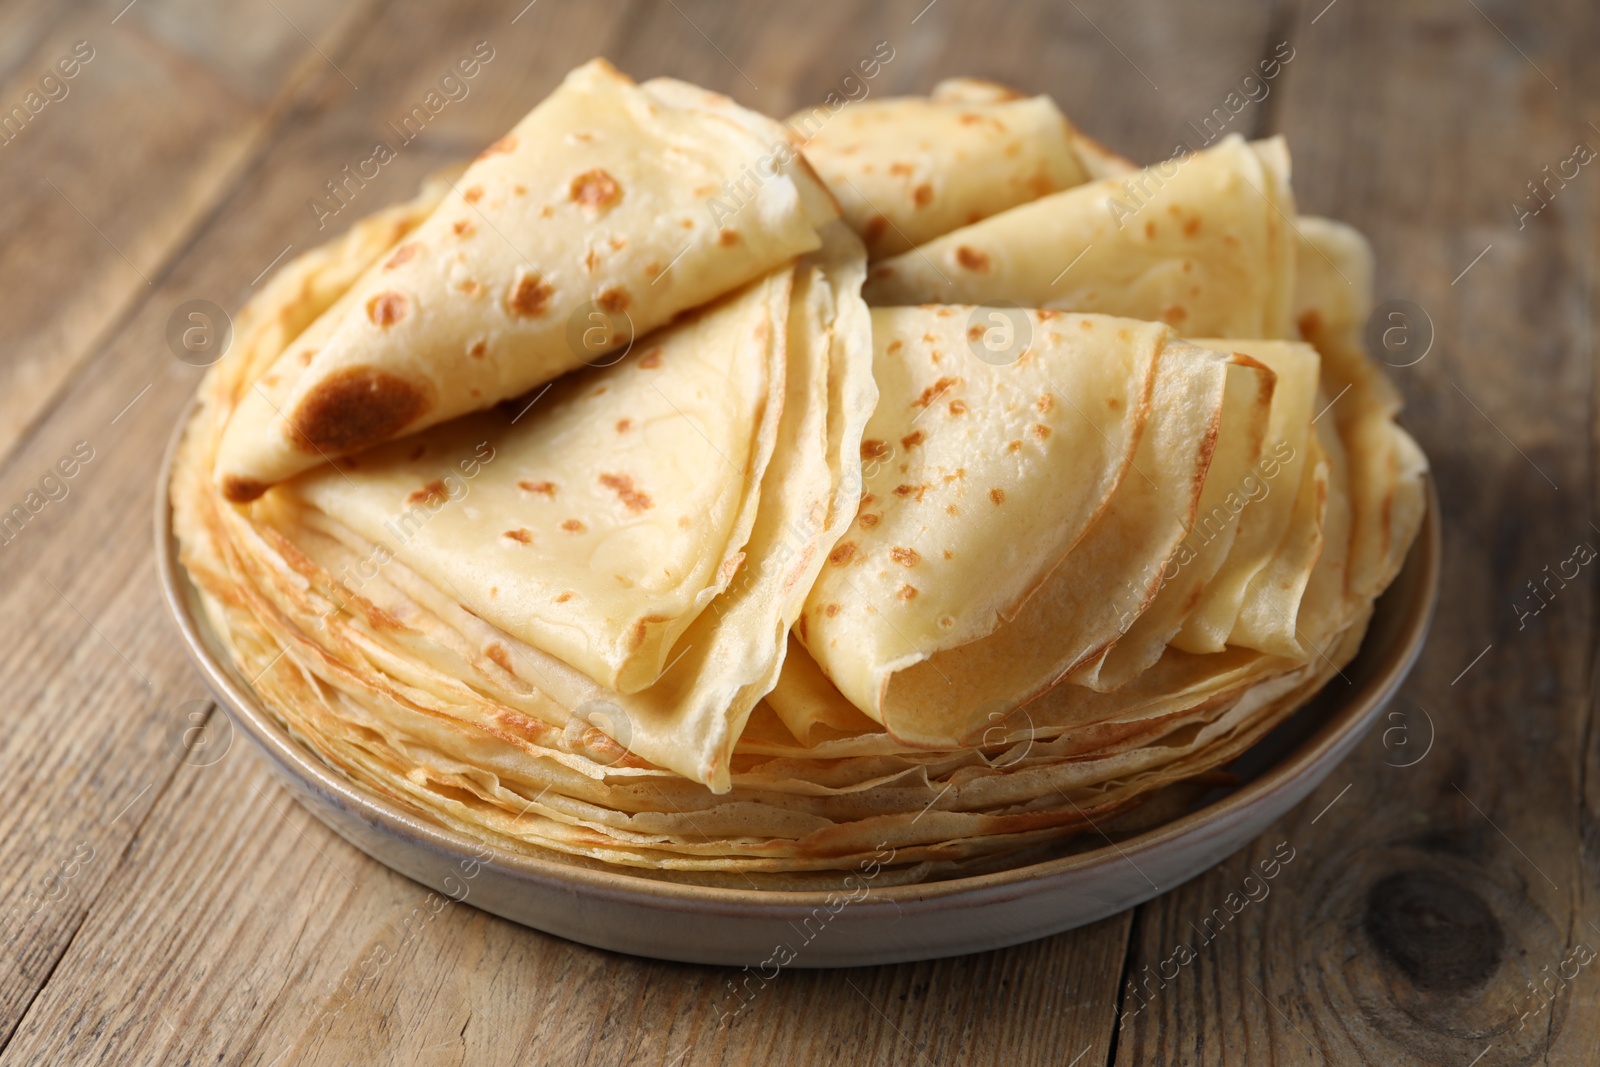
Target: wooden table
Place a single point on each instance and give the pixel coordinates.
(166, 901)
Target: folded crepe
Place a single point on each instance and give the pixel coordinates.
(1205, 418)
(982, 478)
(584, 227)
(907, 169)
(598, 523)
(1204, 243)
(632, 560)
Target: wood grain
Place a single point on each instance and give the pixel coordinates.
(165, 905)
(1425, 900)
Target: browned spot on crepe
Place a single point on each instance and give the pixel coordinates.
(971, 258)
(651, 359)
(521, 535)
(388, 308)
(614, 299)
(932, 392)
(997, 495)
(573, 526)
(432, 493)
(871, 448)
(623, 486)
(473, 195)
(242, 490)
(922, 195)
(402, 254)
(528, 296)
(907, 592)
(842, 553)
(547, 488)
(499, 654)
(595, 190)
(357, 407)
(912, 439)
(906, 557)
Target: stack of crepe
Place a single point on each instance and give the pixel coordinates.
(604, 504)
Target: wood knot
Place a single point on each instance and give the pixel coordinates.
(1438, 932)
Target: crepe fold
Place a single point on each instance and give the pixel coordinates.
(586, 226)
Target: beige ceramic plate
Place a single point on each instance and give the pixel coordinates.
(730, 926)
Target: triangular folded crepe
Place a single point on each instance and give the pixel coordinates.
(499, 606)
(980, 478)
(908, 169)
(1206, 413)
(598, 523)
(584, 227)
(1203, 242)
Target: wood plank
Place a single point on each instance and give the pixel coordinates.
(1422, 904)
(96, 688)
(108, 182)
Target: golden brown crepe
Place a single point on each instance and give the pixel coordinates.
(907, 169)
(588, 222)
(1202, 242)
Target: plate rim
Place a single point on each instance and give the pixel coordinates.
(1329, 743)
